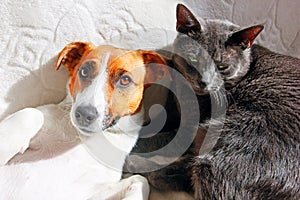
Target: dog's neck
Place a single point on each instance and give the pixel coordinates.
(127, 129)
(113, 144)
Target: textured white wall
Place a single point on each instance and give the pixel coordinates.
(32, 32)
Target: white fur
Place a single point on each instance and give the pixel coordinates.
(242, 70)
(29, 121)
(75, 174)
(86, 170)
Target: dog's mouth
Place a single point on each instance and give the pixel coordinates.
(109, 122)
(97, 126)
(85, 131)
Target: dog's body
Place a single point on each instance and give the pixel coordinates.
(57, 164)
(70, 175)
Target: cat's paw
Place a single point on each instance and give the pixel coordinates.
(173, 177)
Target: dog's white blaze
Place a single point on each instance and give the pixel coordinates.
(98, 87)
(95, 95)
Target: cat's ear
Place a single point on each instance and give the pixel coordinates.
(245, 37)
(186, 21)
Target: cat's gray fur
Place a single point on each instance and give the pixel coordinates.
(258, 153)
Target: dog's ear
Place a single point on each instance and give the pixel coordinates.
(71, 55)
(156, 66)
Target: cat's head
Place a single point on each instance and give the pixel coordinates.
(227, 44)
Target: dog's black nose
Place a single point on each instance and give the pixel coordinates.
(86, 115)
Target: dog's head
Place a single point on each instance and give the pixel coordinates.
(107, 83)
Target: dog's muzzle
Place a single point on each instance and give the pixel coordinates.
(88, 120)
(86, 115)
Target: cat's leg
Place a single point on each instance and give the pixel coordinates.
(16, 132)
(177, 175)
(203, 178)
(168, 174)
(174, 177)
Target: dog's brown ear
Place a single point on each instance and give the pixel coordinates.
(156, 66)
(71, 55)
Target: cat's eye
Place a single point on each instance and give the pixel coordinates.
(193, 60)
(222, 67)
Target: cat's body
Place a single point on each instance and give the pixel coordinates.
(258, 153)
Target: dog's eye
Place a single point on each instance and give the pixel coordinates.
(86, 71)
(124, 81)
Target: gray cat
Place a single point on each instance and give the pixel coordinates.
(258, 153)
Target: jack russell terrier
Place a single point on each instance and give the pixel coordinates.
(42, 156)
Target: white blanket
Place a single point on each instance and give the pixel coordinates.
(32, 32)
